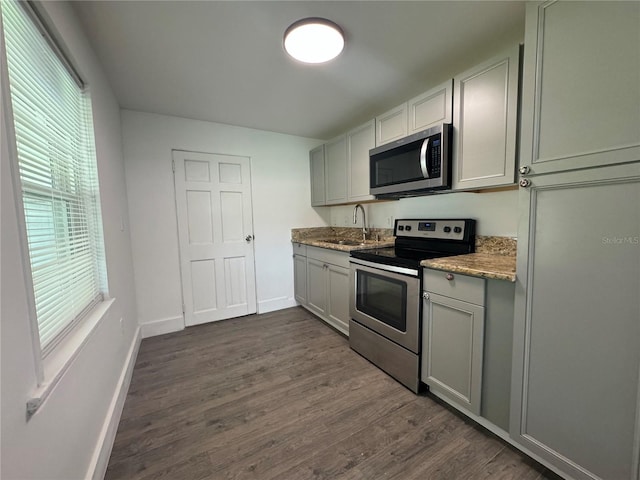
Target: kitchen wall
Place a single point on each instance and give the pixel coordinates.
(64, 439)
(496, 212)
(281, 201)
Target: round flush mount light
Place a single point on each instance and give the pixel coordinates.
(314, 40)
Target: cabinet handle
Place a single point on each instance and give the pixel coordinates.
(423, 158)
(449, 276)
(425, 296)
(525, 182)
(524, 169)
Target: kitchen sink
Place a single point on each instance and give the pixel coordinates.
(350, 243)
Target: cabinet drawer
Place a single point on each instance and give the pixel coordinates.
(325, 255)
(462, 287)
(299, 249)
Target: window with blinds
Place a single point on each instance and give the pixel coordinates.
(56, 157)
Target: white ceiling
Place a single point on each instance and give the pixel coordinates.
(223, 61)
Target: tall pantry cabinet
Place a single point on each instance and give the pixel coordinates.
(575, 385)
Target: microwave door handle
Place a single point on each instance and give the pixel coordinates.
(423, 158)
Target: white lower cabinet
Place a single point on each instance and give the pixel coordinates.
(467, 340)
(338, 297)
(326, 288)
(576, 395)
(452, 337)
(300, 278)
(317, 286)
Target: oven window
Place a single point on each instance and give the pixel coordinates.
(382, 298)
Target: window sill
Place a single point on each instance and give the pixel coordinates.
(61, 358)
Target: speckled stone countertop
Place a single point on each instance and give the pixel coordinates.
(495, 258)
(319, 237)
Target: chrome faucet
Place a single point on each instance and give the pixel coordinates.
(364, 220)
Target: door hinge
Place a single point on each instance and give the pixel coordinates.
(173, 165)
(183, 309)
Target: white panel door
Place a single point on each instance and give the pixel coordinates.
(215, 229)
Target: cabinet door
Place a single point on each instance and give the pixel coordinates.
(431, 108)
(391, 125)
(316, 168)
(577, 322)
(300, 278)
(316, 286)
(484, 123)
(335, 153)
(580, 85)
(452, 350)
(338, 301)
(359, 141)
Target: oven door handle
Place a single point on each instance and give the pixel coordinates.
(423, 158)
(387, 268)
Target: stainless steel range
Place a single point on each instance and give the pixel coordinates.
(385, 302)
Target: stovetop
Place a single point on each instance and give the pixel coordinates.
(418, 240)
(395, 256)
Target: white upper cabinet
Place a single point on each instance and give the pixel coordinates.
(581, 59)
(485, 114)
(316, 168)
(391, 125)
(431, 108)
(335, 157)
(359, 141)
(424, 111)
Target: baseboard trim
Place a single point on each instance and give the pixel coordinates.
(100, 459)
(273, 304)
(162, 326)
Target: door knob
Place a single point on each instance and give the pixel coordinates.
(248, 238)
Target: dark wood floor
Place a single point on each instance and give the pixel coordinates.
(281, 396)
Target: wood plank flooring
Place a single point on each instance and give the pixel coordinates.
(281, 396)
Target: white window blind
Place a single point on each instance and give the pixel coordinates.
(57, 164)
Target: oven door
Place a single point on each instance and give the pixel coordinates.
(386, 302)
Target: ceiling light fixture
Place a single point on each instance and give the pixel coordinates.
(313, 40)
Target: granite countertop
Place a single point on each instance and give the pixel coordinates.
(486, 265)
(326, 243)
(325, 237)
(495, 258)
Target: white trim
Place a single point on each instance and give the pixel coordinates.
(278, 303)
(59, 361)
(162, 326)
(100, 460)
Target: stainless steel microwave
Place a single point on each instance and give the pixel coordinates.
(414, 165)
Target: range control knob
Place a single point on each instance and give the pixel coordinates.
(457, 229)
(446, 229)
(400, 227)
(408, 228)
